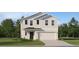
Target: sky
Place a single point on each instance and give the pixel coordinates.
(65, 17)
(62, 17)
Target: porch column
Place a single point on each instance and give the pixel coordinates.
(35, 35)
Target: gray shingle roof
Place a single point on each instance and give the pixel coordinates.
(37, 16)
(34, 15)
(45, 16)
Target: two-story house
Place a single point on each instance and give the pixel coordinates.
(39, 26)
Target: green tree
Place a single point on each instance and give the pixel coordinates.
(63, 30)
(73, 26)
(17, 28)
(70, 29)
(2, 32)
(8, 27)
(73, 22)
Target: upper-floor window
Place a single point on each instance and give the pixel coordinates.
(31, 22)
(38, 22)
(52, 22)
(25, 21)
(46, 22)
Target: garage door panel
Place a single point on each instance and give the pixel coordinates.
(48, 36)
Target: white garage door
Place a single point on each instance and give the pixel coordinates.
(48, 36)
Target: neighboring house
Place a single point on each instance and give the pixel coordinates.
(39, 26)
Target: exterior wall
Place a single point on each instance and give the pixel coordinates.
(46, 28)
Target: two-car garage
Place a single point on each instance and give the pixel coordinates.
(48, 36)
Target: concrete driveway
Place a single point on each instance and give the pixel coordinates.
(56, 43)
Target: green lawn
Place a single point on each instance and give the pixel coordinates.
(74, 42)
(19, 42)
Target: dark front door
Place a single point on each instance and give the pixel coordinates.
(31, 35)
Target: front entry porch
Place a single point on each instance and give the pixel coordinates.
(32, 33)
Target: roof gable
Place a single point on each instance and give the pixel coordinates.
(39, 15)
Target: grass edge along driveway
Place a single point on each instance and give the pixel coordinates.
(73, 42)
(19, 42)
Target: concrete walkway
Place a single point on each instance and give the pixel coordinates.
(56, 43)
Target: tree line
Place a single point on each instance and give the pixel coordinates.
(70, 29)
(8, 28)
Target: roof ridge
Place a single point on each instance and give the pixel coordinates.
(34, 15)
(41, 16)
(45, 16)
